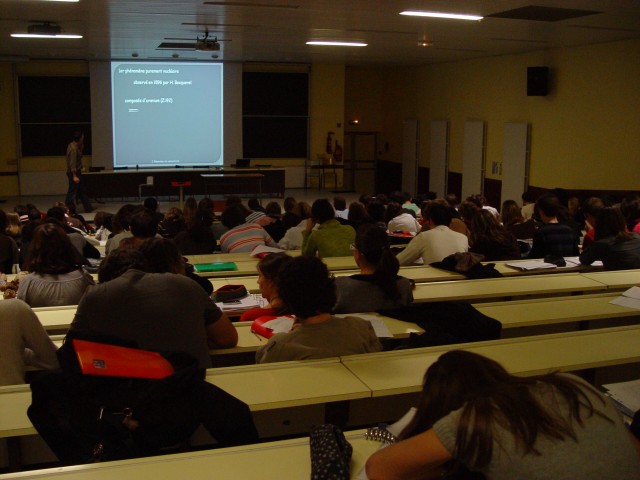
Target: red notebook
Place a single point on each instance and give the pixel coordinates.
(114, 361)
(258, 324)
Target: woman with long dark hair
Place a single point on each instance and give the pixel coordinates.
(618, 248)
(472, 413)
(56, 275)
(378, 284)
(491, 239)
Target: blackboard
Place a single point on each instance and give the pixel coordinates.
(51, 109)
(275, 114)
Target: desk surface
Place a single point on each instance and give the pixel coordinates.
(505, 287)
(271, 460)
(616, 280)
(289, 384)
(232, 175)
(399, 372)
(542, 311)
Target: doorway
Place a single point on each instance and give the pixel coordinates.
(360, 161)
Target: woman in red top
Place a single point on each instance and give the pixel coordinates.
(268, 269)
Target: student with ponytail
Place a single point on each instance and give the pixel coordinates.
(377, 285)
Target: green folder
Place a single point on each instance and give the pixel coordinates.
(215, 267)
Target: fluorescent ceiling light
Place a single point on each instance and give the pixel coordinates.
(455, 16)
(44, 35)
(70, 1)
(337, 44)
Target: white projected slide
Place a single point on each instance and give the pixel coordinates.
(167, 114)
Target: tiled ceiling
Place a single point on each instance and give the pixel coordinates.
(276, 31)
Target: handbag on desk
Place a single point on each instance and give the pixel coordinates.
(330, 453)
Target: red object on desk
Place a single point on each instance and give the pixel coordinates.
(181, 184)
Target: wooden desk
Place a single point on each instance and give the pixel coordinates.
(124, 183)
(619, 280)
(56, 318)
(289, 384)
(271, 460)
(545, 311)
(237, 182)
(400, 372)
(497, 288)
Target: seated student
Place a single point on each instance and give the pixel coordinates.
(273, 224)
(309, 292)
(198, 238)
(121, 223)
(357, 215)
(172, 223)
(242, 236)
(102, 224)
(292, 239)
(408, 204)
(491, 239)
(473, 414)
(618, 248)
(163, 256)
(165, 312)
(330, 238)
(56, 275)
(552, 238)
(515, 223)
(399, 220)
(24, 342)
(268, 269)
(9, 254)
(438, 242)
(340, 206)
(630, 207)
(590, 210)
(14, 227)
(378, 284)
(143, 225)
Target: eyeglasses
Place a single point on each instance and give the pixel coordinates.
(353, 247)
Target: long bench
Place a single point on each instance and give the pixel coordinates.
(271, 460)
(301, 383)
(297, 384)
(58, 318)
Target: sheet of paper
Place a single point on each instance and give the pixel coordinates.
(629, 298)
(260, 249)
(381, 329)
(626, 394)
(530, 265)
(280, 324)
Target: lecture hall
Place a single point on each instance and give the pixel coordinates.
(169, 166)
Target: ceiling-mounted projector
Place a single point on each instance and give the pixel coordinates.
(207, 45)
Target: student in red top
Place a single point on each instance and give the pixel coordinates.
(268, 269)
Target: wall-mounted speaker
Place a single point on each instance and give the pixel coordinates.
(537, 81)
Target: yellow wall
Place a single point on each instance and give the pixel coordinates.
(584, 135)
(326, 106)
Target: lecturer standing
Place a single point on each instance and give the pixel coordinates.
(74, 170)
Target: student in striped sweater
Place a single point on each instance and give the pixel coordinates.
(241, 236)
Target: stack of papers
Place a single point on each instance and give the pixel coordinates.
(242, 304)
(626, 396)
(531, 265)
(630, 298)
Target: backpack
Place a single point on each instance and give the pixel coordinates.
(88, 418)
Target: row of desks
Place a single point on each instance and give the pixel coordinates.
(300, 383)
(272, 460)
(496, 289)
